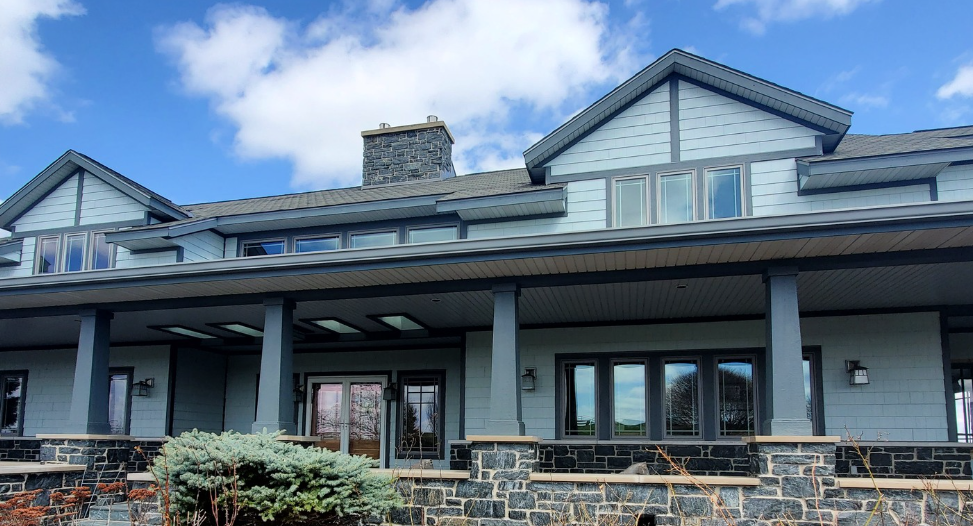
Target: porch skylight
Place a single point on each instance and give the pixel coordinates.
(184, 331)
(334, 325)
(239, 328)
(399, 322)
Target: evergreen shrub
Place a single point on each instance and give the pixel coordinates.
(256, 479)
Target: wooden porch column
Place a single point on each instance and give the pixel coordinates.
(786, 404)
(89, 396)
(505, 410)
(275, 399)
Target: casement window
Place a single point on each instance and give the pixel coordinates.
(73, 252)
(631, 201)
(119, 400)
(433, 234)
(317, 244)
(13, 398)
(704, 394)
(724, 193)
(373, 239)
(263, 248)
(677, 197)
(421, 415)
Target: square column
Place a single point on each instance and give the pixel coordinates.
(89, 396)
(786, 404)
(505, 411)
(275, 398)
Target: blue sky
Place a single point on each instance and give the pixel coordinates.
(202, 101)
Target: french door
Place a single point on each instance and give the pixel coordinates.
(347, 414)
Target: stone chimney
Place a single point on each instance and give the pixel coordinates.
(401, 154)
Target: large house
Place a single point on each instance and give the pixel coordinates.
(699, 255)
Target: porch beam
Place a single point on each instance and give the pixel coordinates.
(89, 395)
(786, 404)
(506, 416)
(275, 399)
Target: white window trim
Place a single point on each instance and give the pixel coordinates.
(316, 236)
(243, 245)
(408, 231)
(63, 258)
(90, 259)
(38, 244)
(693, 197)
(743, 190)
(614, 197)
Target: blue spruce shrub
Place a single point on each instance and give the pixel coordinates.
(256, 479)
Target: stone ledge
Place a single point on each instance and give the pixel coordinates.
(916, 484)
(409, 473)
(140, 477)
(298, 438)
(86, 437)
(675, 480)
(410, 127)
(21, 468)
(785, 439)
(500, 439)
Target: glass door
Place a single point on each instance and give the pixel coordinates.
(348, 414)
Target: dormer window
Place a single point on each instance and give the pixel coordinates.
(73, 252)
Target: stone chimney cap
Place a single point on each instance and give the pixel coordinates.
(410, 127)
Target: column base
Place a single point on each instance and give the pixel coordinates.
(505, 427)
(271, 427)
(788, 427)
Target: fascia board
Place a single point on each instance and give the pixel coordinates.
(825, 166)
(14, 206)
(537, 196)
(371, 206)
(814, 224)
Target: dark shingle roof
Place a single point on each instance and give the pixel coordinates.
(858, 146)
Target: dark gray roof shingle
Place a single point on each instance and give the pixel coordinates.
(858, 146)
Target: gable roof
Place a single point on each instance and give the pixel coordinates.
(67, 165)
(832, 120)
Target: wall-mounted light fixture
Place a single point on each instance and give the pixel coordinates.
(298, 393)
(857, 375)
(528, 379)
(390, 392)
(142, 388)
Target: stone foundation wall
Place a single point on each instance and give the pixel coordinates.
(48, 482)
(20, 449)
(105, 460)
(697, 459)
(141, 455)
(951, 461)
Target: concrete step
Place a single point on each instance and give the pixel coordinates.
(120, 513)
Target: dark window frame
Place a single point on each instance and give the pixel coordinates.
(757, 383)
(130, 372)
(22, 373)
(401, 381)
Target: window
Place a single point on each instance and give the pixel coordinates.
(676, 202)
(317, 244)
(13, 396)
(631, 202)
(579, 390)
(421, 415)
(724, 193)
(263, 248)
(74, 252)
(119, 400)
(432, 234)
(373, 239)
(101, 251)
(47, 254)
(681, 398)
(736, 397)
(628, 399)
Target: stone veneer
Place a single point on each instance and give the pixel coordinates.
(20, 449)
(888, 460)
(407, 153)
(54, 481)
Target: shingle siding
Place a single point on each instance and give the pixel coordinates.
(199, 391)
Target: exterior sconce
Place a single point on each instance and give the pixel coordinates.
(142, 388)
(298, 393)
(527, 379)
(390, 393)
(857, 375)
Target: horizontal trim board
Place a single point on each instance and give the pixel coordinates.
(904, 484)
(666, 480)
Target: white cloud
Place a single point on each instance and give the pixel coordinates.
(766, 12)
(961, 85)
(25, 68)
(864, 101)
(483, 66)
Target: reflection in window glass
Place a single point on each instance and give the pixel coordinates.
(429, 235)
(963, 399)
(724, 193)
(579, 409)
(74, 252)
(374, 239)
(316, 244)
(263, 248)
(118, 403)
(47, 255)
(676, 198)
(736, 400)
(100, 251)
(421, 416)
(630, 202)
(628, 399)
(12, 404)
(808, 395)
(682, 397)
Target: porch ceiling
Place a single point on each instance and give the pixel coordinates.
(899, 287)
